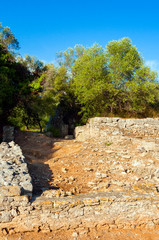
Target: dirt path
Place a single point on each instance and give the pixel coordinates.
(56, 163)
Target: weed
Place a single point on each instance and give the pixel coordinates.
(108, 143)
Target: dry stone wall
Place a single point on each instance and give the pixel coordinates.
(80, 213)
(13, 169)
(105, 128)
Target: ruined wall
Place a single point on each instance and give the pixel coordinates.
(105, 128)
(13, 168)
(21, 212)
(79, 213)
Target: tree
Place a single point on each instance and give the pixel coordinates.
(133, 83)
(69, 56)
(59, 97)
(20, 81)
(34, 65)
(87, 82)
(7, 39)
(143, 91)
(28, 110)
(90, 81)
(113, 81)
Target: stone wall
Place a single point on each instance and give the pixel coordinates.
(13, 169)
(105, 128)
(83, 213)
(80, 213)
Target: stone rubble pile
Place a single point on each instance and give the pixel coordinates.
(13, 168)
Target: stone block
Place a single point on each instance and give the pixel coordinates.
(10, 191)
(5, 217)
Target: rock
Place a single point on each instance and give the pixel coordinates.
(116, 133)
(69, 137)
(10, 191)
(101, 161)
(54, 193)
(13, 171)
(4, 231)
(5, 217)
(64, 170)
(74, 234)
(92, 184)
(137, 162)
(88, 169)
(148, 146)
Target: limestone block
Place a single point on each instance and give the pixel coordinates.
(149, 146)
(10, 191)
(122, 123)
(82, 133)
(76, 212)
(5, 217)
(27, 186)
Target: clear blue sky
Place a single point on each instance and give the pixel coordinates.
(46, 27)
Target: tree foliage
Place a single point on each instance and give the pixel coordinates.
(7, 39)
(132, 82)
(87, 82)
(90, 81)
(69, 56)
(19, 80)
(113, 80)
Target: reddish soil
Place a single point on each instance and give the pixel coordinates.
(59, 164)
(93, 235)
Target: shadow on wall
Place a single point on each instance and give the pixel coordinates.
(37, 149)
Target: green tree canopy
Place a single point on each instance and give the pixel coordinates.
(113, 80)
(129, 77)
(87, 82)
(90, 81)
(69, 56)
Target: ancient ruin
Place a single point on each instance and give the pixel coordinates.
(116, 187)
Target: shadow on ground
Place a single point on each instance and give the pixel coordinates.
(37, 149)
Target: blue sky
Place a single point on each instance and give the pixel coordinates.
(46, 27)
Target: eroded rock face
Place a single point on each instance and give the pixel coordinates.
(13, 169)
